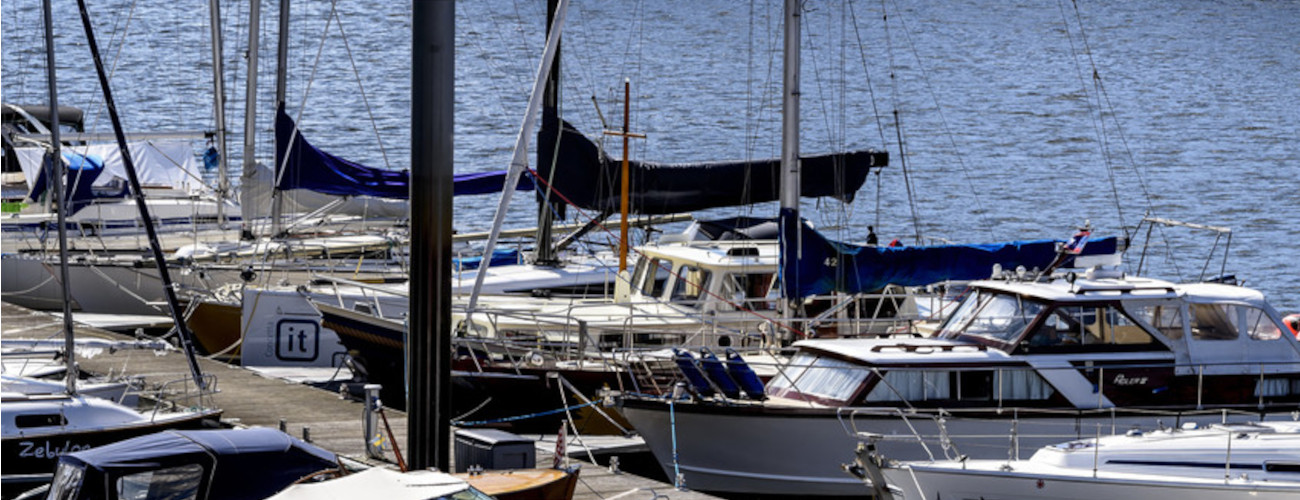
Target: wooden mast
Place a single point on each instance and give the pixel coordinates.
(625, 188)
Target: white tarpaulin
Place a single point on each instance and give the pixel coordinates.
(158, 163)
(380, 483)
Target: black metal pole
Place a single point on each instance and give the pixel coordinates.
(550, 113)
(54, 171)
(134, 180)
(428, 343)
(281, 75)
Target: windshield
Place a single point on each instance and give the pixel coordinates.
(175, 483)
(995, 316)
(66, 483)
(821, 377)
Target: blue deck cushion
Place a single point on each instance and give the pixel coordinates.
(686, 363)
(716, 372)
(744, 376)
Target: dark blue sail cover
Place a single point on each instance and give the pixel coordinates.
(590, 179)
(313, 169)
(827, 266)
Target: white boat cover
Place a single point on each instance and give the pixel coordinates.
(378, 483)
(158, 163)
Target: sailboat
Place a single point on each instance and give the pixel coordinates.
(37, 429)
(1045, 354)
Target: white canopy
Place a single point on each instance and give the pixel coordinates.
(378, 483)
(158, 163)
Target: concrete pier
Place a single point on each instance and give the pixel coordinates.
(252, 399)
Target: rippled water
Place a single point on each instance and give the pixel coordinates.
(1199, 119)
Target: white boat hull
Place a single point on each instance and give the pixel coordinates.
(801, 452)
(921, 482)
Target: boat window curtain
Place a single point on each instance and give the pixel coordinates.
(913, 385)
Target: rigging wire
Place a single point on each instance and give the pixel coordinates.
(943, 121)
(1119, 129)
(836, 143)
(866, 70)
(1099, 127)
(1097, 113)
(499, 77)
(898, 126)
(361, 89)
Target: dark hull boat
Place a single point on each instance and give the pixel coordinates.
(493, 384)
(40, 429)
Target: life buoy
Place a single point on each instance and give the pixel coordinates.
(1293, 322)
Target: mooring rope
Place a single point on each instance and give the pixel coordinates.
(522, 417)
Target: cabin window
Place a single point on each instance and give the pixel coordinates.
(820, 377)
(66, 483)
(174, 483)
(1213, 321)
(691, 284)
(1165, 318)
(1020, 385)
(650, 284)
(1277, 387)
(912, 385)
(638, 273)
(40, 420)
(1259, 326)
(1011, 384)
(1088, 326)
(748, 290)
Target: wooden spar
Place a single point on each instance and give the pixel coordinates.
(626, 134)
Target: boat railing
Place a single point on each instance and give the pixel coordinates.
(597, 332)
(849, 417)
(182, 393)
(679, 324)
(370, 293)
(1018, 383)
(890, 312)
(944, 427)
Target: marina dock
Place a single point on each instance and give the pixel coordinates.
(331, 422)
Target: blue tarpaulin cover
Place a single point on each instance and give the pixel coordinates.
(77, 188)
(313, 169)
(589, 178)
(500, 257)
(243, 463)
(827, 266)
